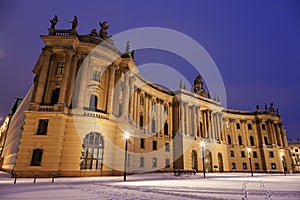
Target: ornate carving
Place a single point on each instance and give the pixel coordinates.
(53, 22)
(94, 33)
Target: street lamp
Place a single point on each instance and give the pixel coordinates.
(249, 156)
(126, 136)
(202, 144)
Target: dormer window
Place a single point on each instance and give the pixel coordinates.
(96, 75)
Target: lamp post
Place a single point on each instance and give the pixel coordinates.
(249, 156)
(202, 144)
(126, 136)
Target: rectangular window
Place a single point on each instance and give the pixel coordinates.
(154, 145)
(154, 162)
(233, 166)
(271, 153)
(238, 126)
(273, 165)
(252, 141)
(256, 166)
(167, 147)
(266, 140)
(43, 126)
(229, 139)
(254, 154)
(142, 146)
(242, 154)
(244, 165)
(232, 154)
(36, 159)
(240, 140)
(96, 75)
(60, 67)
(263, 127)
(167, 163)
(142, 164)
(249, 126)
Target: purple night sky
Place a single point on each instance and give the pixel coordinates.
(255, 44)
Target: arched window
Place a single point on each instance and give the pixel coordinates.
(92, 151)
(166, 129)
(93, 102)
(153, 125)
(141, 121)
(55, 96)
(36, 159)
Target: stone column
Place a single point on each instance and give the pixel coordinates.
(182, 128)
(274, 133)
(279, 138)
(131, 96)
(209, 124)
(42, 76)
(270, 131)
(72, 78)
(125, 102)
(197, 127)
(283, 136)
(66, 74)
(111, 87)
(205, 128)
(82, 85)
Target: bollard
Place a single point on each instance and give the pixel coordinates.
(16, 176)
(35, 175)
(53, 176)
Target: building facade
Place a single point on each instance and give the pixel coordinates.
(295, 155)
(87, 94)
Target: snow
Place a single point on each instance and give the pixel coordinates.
(155, 186)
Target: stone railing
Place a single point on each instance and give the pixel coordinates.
(95, 114)
(62, 32)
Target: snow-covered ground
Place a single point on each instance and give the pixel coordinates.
(156, 186)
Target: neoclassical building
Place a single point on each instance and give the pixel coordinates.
(87, 94)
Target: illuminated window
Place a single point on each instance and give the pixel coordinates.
(96, 75)
(273, 165)
(60, 67)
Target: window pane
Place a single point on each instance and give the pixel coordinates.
(43, 126)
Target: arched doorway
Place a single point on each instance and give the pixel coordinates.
(208, 162)
(92, 151)
(194, 160)
(220, 162)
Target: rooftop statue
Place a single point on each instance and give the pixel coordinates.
(94, 33)
(198, 86)
(54, 21)
(74, 22)
(103, 33)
